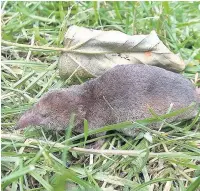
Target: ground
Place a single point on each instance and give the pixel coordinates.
(40, 160)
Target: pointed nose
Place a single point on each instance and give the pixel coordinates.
(23, 122)
(27, 119)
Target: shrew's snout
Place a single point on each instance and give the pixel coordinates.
(27, 119)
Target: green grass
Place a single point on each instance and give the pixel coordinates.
(40, 160)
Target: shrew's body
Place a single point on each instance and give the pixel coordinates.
(123, 93)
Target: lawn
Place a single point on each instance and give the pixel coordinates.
(37, 159)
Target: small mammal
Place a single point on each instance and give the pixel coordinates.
(123, 93)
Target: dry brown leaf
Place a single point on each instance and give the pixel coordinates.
(92, 52)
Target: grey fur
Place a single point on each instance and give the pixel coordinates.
(123, 93)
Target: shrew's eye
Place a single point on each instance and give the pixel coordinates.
(44, 115)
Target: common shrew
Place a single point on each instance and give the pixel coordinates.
(123, 93)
